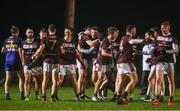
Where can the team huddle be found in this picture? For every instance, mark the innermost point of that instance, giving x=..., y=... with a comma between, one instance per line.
x=110, y=60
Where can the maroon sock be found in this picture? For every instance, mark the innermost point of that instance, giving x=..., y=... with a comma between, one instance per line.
x=125, y=94
x=147, y=97
x=171, y=98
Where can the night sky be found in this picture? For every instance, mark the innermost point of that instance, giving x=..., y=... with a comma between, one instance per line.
x=103, y=13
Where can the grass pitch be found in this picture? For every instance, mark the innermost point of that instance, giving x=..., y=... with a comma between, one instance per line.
x=67, y=102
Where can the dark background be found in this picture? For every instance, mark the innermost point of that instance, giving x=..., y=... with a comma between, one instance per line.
x=37, y=14
x=143, y=13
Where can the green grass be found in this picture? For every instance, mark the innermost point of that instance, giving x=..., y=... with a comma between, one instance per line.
x=67, y=102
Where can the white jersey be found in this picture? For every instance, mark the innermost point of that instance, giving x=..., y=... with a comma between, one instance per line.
x=146, y=55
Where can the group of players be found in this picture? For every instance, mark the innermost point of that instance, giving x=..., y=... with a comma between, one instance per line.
x=110, y=59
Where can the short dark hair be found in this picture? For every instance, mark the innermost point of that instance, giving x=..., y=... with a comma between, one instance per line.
x=52, y=28
x=111, y=29
x=14, y=29
x=69, y=28
x=155, y=29
x=87, y=27
x=29, y=28
x=129, y=28
x=44, y=30
x=150, y=32
x=95, y=28
x=165, y=23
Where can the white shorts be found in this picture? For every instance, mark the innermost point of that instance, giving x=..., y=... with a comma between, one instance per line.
x=153, y=70
x=33, y=71
x=50, y=67
x=103, y=68
x=165, y=67
x=94, y=65
x=79, y=64
x=125, y=68
x=67, y=69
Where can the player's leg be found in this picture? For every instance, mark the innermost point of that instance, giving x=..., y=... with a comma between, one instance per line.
x=131, y=93
x=46, y=73
x=27, y=75
x=108, y=83
x=37, y=77
x=94, y=71
x=100, y=80
x=72, y=74
x=82, y=80
x=158, y=82
x=7, y=84
x=102, y=87
x=119, y=86
x=60, y=80
x=129, y=86
x=171, y=83
x=55, y=71
x=151, y=82
x=130, y=70
x=37, y=86
x=120, y=79
x=21, y=84
x=162, y=93
x=116, y=85
x=94, y=76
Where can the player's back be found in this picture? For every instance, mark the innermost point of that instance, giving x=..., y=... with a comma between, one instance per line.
x=126, y=50
x=52, y=48
x=11, y=46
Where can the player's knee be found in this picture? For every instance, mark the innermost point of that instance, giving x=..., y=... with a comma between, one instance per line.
x=101, y=78
x=7, y=81
x=28, y=81
x=171, y=82
x=132, y=81
x=136, y=81
x=158, y=81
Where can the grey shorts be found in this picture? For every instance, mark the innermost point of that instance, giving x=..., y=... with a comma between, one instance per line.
x=166, y=67
x=50, y=67
x=33, y=71
x=103, y=68
x=125, y=68
x=67, y=69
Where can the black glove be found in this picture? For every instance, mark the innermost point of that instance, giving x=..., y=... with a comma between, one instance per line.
x=162, y=52
x=115, y=56
x=148, y=60
x=30, y=66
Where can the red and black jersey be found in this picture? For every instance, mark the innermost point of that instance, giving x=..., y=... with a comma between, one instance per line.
x=126, y=50
x=29, y=49
x=163, y=43
x=107, y=46
x=115, y=44
x=84, y=45
x=69, y=56
x=52, y=49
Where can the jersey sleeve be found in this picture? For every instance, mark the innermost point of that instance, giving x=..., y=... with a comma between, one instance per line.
x=87, y=38
x=175, y=41
x=19, y=42
x=104, y=45
x=4, y=44
x=21, y=45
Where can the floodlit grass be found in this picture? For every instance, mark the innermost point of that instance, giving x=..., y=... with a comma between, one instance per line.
x=68, y=103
